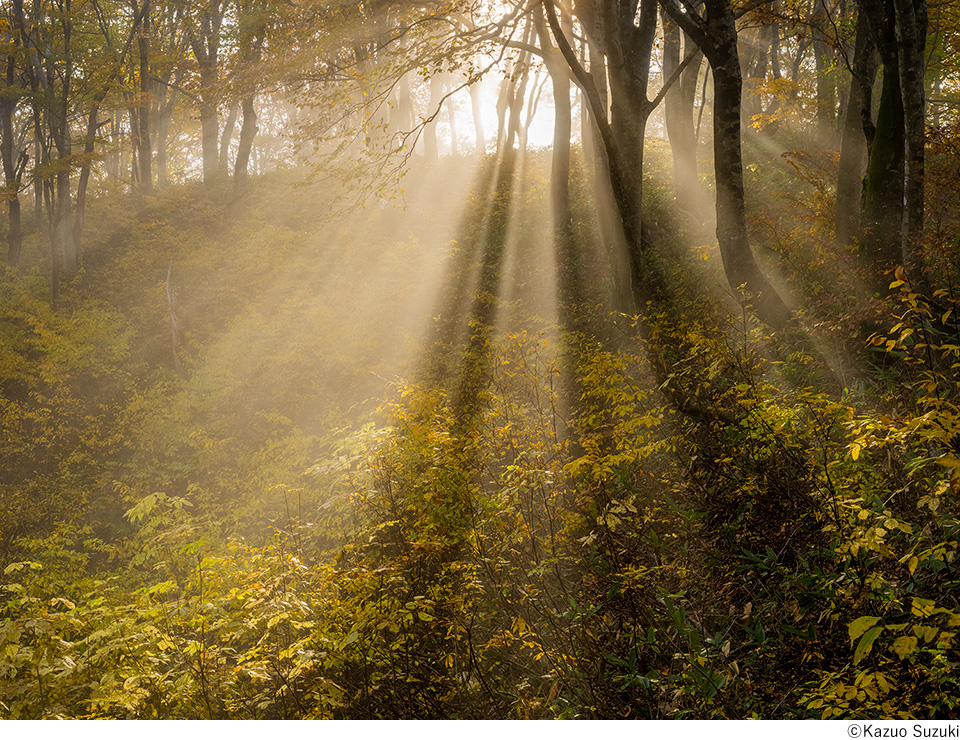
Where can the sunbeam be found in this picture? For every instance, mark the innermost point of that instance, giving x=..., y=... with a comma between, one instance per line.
x=480, y=360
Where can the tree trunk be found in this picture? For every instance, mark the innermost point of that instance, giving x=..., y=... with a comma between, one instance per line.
x=739, y=264
x=562, y=126
x=853, y=144
x=608, y=219
x=41, y=155
x=476, y=103
x=248, y=131
x=560, y=164
x=61, y=137
x=452, y=120
x=57, y=100
x=678, y=116
x=717, y=37
x=883, y=184
x=112, y=160
x=911, y=26
x=89, y=143
x=517, y=93
x=165, y=108
x=206, y=50
x=210, y=141
x=144, y=147
x=826, y=86
x=402, y=118
x=11, y=165
x=209, y=120
x=431, y=148
x=226, y=137
x=134, y=118
x=627, y=48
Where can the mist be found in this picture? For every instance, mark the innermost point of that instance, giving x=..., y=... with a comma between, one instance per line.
x=478, y=360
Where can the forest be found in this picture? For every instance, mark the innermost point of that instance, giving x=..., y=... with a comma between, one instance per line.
x=480, y=359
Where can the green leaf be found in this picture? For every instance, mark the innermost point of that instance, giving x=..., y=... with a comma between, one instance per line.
x=866, y=643
x=860, y=625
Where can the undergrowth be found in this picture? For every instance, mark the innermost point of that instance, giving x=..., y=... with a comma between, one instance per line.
x=526, y=528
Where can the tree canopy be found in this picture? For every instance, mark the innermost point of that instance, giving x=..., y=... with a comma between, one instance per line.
x=472, y=359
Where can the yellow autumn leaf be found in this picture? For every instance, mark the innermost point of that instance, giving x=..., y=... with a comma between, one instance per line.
x=904, y=645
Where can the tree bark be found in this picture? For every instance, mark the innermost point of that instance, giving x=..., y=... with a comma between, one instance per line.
x=210, y=139
x=678, y=116
x=716, y=35
x=165, y=107
x=89, y=144
x=853, y=143
x=608, y=219
x=144, y=146
x=60, y=132
x=517, y=92
x=248, y=131
x=476, y=103
x=55, y=100
x=883, y=184
x=452, y=121
x=562, y=126
x=628, y=49
x=738, y=261
x=12, y=164
x=826, y=86
x=911, y=29
x=431, y=147
x=226, y=136
x=205, y=45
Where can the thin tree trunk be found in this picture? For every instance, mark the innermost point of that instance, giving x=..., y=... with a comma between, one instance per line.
x=144, y=147
x=134, y=118
x=206, y=50
x=826, y=86
x=248, y=132
x=431, y=149
x=911, y=25
x=209, y=120
x=476, y=103
x=163, y=132
x=515, y=92
x=853, y=145
x=227, y=136
x=210, y=141
x=739, y=263
x=61, y=138
x=452, y=120
x=678, y=116
x=562, y=125
x=11, y=165
x=41, y=155
x=89, y=143
x=402, y=117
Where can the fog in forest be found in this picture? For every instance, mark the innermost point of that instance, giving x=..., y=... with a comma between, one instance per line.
x=479, y=360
